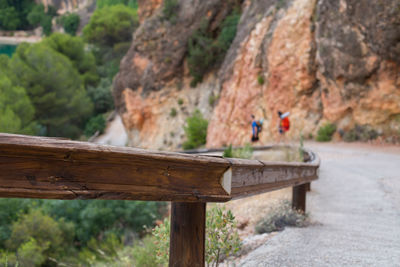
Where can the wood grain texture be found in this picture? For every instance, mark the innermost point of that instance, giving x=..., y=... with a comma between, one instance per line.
x=299, y=193
x=51, y=168
x=39, y=167
x=188, y=228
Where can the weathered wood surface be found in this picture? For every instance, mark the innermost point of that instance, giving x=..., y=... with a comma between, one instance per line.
x=299, y=193
x=188, y=229
x=38, y=167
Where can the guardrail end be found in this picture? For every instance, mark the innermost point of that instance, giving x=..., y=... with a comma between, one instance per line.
x=226, y=181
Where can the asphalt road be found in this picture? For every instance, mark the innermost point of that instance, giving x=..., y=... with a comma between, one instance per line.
x=355, y=213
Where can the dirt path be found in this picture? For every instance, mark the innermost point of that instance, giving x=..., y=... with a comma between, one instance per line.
x=355, y=209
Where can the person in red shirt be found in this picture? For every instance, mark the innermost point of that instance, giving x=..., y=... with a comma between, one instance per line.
x=284, y=123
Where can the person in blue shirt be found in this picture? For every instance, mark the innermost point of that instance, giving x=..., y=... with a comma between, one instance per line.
x=256, y=128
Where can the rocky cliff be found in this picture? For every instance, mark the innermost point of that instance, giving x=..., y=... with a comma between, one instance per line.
x=322, y=60
x=63, y=6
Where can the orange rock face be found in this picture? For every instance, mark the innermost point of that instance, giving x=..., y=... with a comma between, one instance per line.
x=286, y=74
x=147, y=8
x=336, y=61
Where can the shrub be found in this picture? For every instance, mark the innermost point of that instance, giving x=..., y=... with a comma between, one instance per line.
x=173, y=112
x=228, y=31
x=201, y=53
x=325, y=132
x=360, y=133
x=180, y=101
x=204, y=51
x=170, y=10
x=222, y=238
x=95, y=124
x=196, y=130
x=144, y=252
x=228, y=152
x=70, y=23
x=260, y=79
x=101, y=96
x=279, y=217
x=243, y=153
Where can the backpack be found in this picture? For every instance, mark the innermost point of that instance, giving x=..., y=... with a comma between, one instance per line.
x=285, y=123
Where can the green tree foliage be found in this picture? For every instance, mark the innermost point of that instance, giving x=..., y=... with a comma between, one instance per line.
x=46, y=25
x=70, y=22
x=30, y=253
x=9, y=19
x=205, y=50
x=95, y=124
x=54, y=87
x=16, y=109
x=201, y=53
x=38, y=16
x=74, y=49
x=228, y=30
x=110, y=25
x=14, y=13
x=36, y=232
x=105, y=3
x=101, y=96
x=10, y=208
x=195, y=130
x=93, y=217
x=325, y=132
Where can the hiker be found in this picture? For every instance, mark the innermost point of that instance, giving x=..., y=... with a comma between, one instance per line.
x=256, y=127
x=284, y=123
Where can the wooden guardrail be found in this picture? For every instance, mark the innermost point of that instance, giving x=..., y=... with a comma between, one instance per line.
x=51, y=168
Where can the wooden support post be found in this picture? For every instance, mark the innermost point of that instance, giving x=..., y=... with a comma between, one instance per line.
x=187, y=240
x=308, y=187
x=299, y=197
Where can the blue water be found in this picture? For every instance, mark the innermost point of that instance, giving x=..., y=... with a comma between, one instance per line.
x=7, y=49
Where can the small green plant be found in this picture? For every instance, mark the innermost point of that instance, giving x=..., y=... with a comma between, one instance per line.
x=325, y=132
x=180, y=101
x=281, y=216
x=301, y=148
x=228, y=152
x=170, y=10
x=243, y=153
x=260, y=79
x=212, y=99
x=222, y=238
x=173, y=112
x=195, y=130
